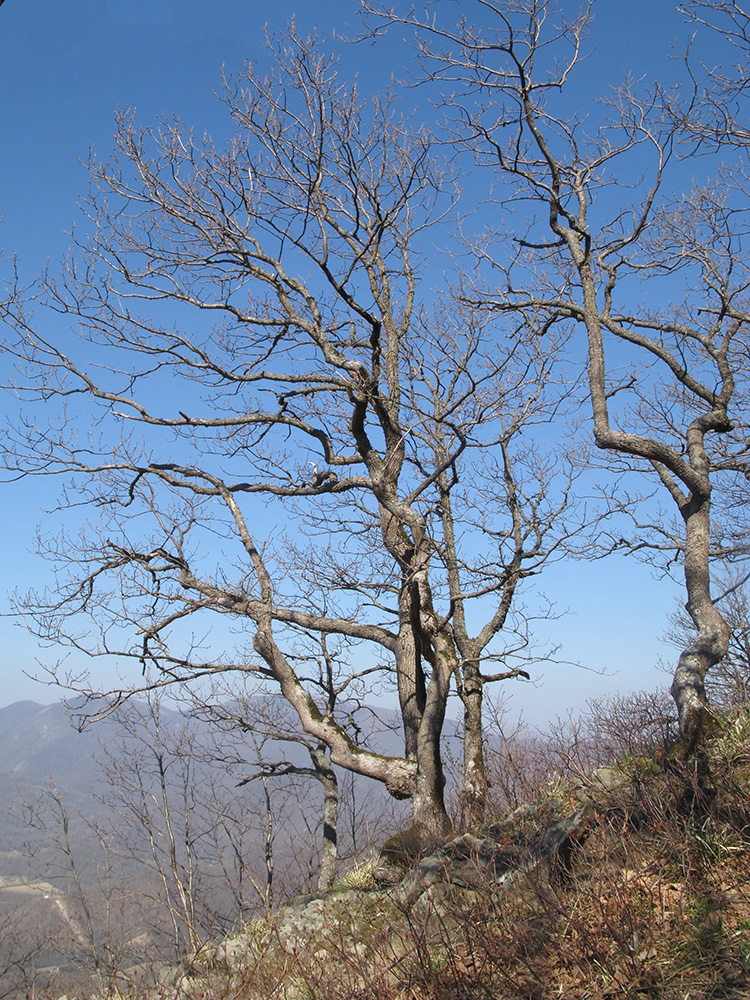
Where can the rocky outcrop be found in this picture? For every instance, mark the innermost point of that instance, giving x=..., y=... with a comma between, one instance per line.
x=403, y=891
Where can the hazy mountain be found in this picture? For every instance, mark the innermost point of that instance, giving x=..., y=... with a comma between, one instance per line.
x=39, y=744
x=37, y=741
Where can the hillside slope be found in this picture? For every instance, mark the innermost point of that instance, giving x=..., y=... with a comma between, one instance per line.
x=629, y=881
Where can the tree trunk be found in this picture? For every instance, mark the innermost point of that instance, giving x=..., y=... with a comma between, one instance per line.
x=475, y=774
x=268, y=851
x=712, y=642
x=409, y=672
x=329, y=850
x=428, y=800
x=428, y=806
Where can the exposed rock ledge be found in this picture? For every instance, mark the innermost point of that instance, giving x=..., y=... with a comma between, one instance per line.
x=348, y=919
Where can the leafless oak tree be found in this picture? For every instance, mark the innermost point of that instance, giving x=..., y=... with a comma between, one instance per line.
x=254, y=343
x=603, y=205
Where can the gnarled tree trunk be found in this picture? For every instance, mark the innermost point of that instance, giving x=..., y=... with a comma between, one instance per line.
x=712, y=641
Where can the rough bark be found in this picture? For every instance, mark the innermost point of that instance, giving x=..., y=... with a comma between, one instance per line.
x=329, y=849
x=713, y=632
x=429, y=801
x=474, y=773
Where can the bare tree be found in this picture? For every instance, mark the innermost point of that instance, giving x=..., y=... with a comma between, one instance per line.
x=242, y=833
x=176, y=858
x=254, y=344
x=598, y=213
x=257, y=739
x=92, y=930
x=721, y=89
x=22, y=941
x=159, y=817
x=205, y=851
x=267, y=724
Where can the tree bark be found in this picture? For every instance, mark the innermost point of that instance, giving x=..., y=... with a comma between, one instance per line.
x=429, y=795
x=329, y=849
x=474, y=802
x=712, y=641
x=397, y=774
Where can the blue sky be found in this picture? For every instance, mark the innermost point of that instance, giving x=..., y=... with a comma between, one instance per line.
x=65, y=68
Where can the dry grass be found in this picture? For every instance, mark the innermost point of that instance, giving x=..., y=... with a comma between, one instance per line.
x=656, y=904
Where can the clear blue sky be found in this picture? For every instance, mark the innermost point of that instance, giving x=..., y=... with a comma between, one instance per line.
x=65, y=67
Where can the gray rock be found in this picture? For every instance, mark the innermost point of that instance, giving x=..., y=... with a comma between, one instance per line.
x=377, y=923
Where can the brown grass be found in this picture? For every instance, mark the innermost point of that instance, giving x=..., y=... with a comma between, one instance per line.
x=655, y=904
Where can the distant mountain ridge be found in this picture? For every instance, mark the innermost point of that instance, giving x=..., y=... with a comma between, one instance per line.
x=38, y=743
